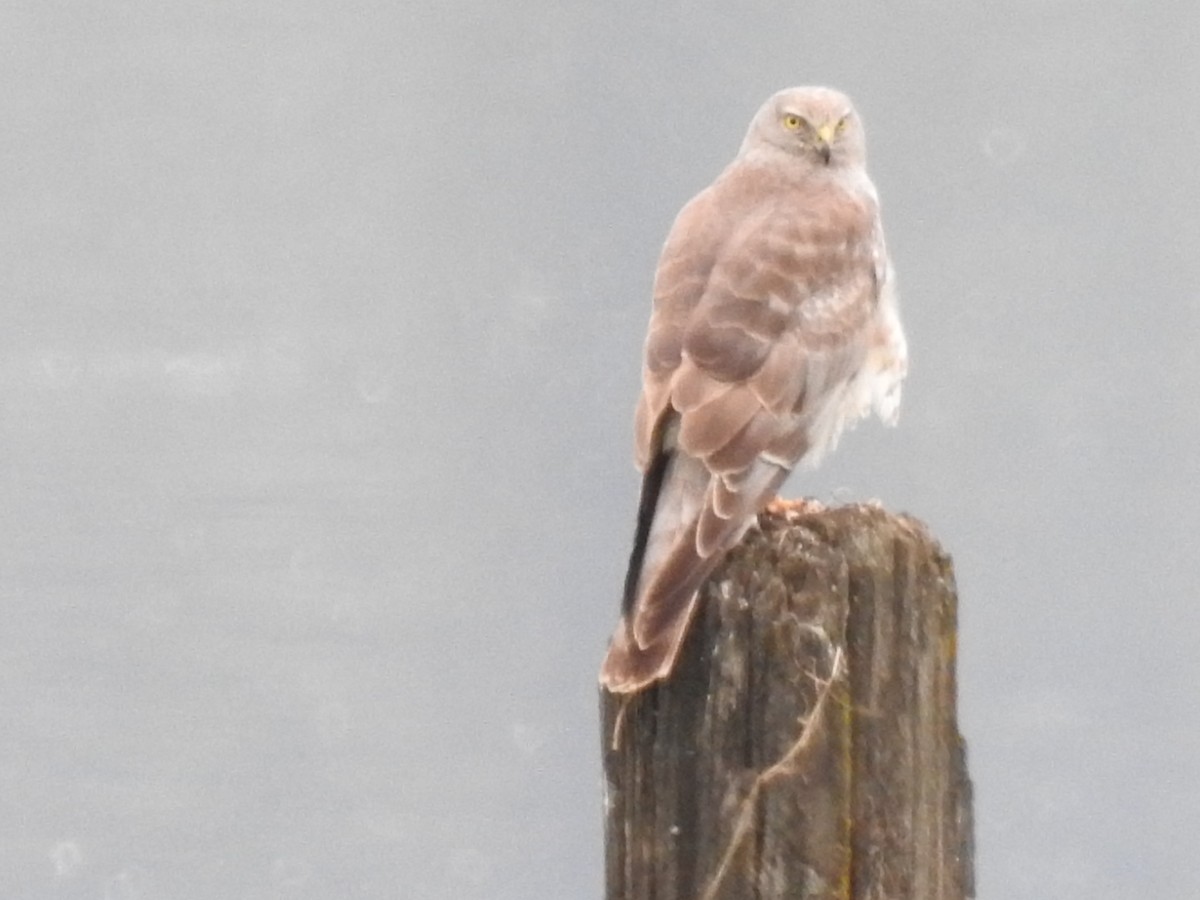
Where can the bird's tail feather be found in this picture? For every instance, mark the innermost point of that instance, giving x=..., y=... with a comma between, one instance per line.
x=664, y=573
x=662, y=593
x=629, y=667
x=648, y=638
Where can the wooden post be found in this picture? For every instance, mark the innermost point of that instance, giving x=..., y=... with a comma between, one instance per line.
x=806, y=746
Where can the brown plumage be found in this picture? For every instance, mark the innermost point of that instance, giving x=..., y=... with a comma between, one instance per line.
x=774, y=326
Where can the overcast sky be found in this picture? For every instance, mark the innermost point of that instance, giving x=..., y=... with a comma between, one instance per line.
x=320, y=332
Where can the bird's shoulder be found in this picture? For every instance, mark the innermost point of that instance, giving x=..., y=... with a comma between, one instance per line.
x=757, y=253
x=774, y=209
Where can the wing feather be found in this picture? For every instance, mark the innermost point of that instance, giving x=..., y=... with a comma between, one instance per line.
x=708, y=428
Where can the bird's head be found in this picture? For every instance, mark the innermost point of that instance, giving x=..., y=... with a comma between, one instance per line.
x=816, y=124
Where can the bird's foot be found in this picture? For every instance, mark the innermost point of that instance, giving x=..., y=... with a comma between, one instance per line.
x=790, y=510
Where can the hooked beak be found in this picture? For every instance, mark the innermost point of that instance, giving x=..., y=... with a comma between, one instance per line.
x=825, y=139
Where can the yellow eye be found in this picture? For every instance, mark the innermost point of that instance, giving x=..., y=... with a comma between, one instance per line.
x=841, y=125
x=791, y=122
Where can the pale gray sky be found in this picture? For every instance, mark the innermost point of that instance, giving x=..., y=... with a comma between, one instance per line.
x=319, y=339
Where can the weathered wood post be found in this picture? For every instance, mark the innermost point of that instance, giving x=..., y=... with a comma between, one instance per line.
x=807, y=744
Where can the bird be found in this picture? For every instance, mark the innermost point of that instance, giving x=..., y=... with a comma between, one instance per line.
x=774, y=326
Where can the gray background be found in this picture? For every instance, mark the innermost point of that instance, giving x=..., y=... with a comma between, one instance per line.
x=319, y=338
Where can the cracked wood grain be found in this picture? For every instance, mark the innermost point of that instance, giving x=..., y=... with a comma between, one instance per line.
x=807, y=745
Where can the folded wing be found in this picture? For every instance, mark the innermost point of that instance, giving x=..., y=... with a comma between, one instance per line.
x=763, y=322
